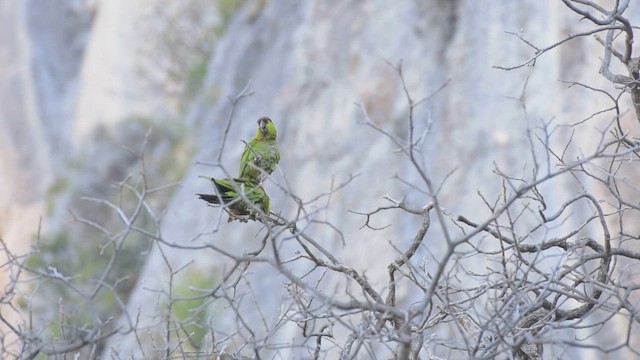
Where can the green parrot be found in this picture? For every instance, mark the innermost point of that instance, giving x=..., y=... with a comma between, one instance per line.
x=228, y=191
x=261, y=155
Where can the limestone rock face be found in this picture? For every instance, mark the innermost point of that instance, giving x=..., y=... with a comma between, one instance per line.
x=40, y=57
x=319, y=69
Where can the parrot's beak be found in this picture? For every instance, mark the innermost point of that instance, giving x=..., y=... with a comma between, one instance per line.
x=263, y=127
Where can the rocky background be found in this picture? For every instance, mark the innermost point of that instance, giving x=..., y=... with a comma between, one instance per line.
x=85, y=83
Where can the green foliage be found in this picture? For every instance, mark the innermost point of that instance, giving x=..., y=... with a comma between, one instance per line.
x=58, y=187
x=191, y=308
x=227, y=8
x=75, y=257
x=184, y=44
x=195, y=73
x=22, y=303
x=195, y=77
x=73, y=264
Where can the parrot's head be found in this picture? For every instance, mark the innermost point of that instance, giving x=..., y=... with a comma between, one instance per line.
x=266, y=128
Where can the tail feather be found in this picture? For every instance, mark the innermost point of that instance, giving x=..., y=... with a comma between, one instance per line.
x=240, y=196
x=210, y=198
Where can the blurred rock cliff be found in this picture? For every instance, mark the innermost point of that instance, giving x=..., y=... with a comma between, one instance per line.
x=83, y=81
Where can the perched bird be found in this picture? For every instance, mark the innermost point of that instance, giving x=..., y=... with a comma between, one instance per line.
x=233, y=194
x=261, y=154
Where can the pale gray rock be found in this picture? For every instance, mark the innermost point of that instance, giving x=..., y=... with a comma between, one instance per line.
x=70, y=67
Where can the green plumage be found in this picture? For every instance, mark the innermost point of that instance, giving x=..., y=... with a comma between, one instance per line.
x=261, y=155
x=234, y=193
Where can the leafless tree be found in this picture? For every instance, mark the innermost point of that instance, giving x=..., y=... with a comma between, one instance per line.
x=553, y=277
